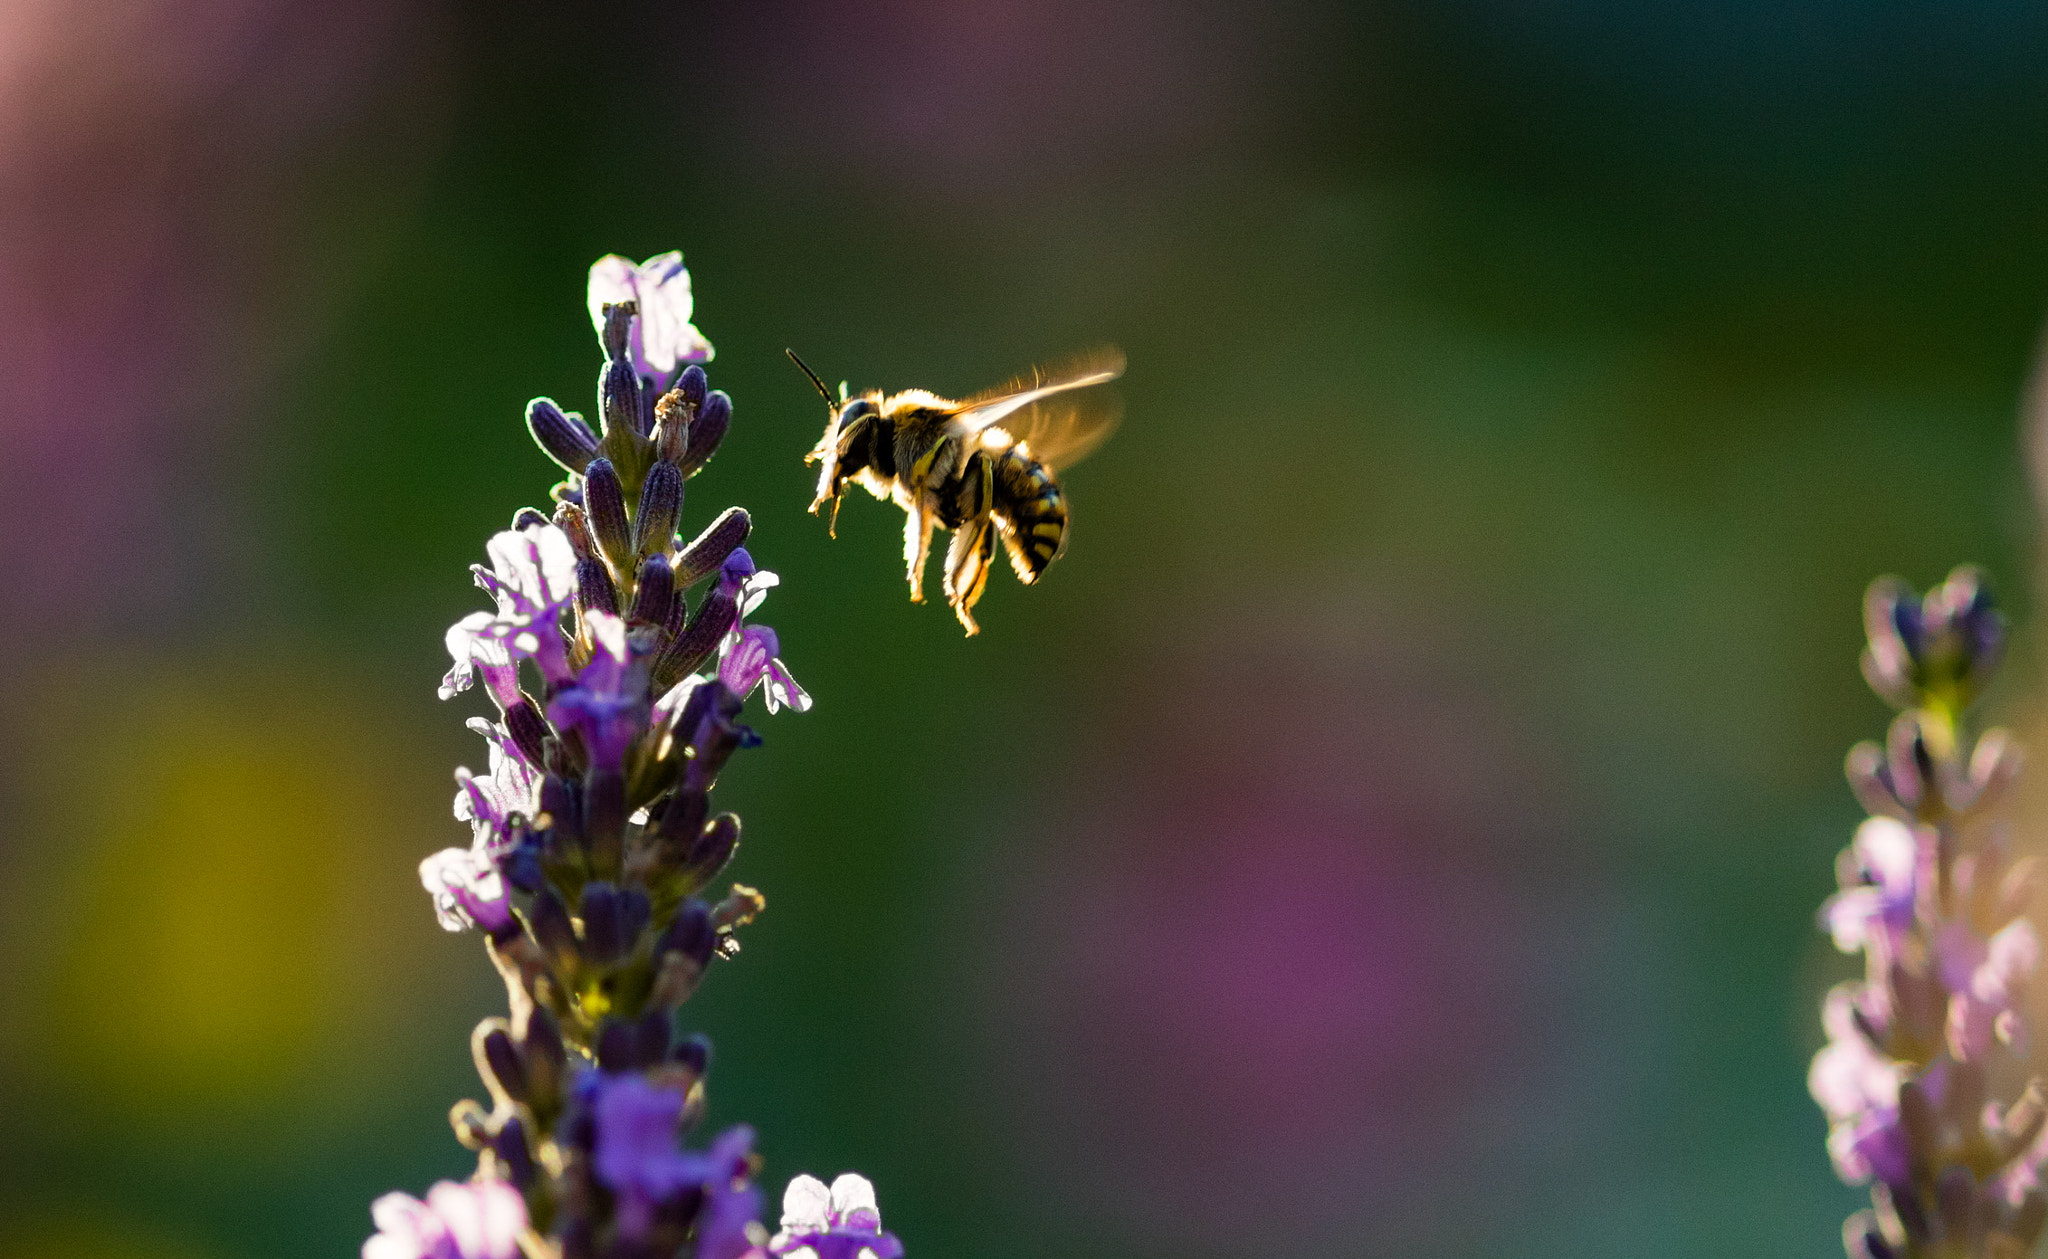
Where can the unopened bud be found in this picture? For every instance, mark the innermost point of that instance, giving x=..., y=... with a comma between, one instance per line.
x=661, y=505
x=617, y=333
x=618, y=393
x=707, y=430
x=703, y=556
x=713, y=849
x=497, y=1060
x=604, y=501
x=694, y=1053
x=561, y=436
x=713, y=620
x=654, y=592
x=595, y=591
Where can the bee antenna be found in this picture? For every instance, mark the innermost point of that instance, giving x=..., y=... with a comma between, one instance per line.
x=804, y=367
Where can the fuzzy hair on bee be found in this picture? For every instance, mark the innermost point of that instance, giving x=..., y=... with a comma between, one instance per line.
x=982, y=468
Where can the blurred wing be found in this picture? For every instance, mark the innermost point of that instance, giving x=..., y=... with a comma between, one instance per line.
x=1096, y=367
x=1061, y=432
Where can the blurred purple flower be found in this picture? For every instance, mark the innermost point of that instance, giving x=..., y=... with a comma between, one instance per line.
x=478, y=1220
x=637, y=1157
x=842, y=1222
x=1849, y=1077
x=1877, y=905
x=608, y=703
x=533, y=577
x=729, y=1223
x=1985, y=978
x=663, y=338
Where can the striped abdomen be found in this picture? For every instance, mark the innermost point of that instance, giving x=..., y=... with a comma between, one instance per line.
x=1031, y=511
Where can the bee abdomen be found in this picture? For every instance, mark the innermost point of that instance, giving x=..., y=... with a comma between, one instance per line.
x=1033, y=512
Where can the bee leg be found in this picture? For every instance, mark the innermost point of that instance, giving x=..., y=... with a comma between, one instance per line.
x=967, y=566
x=917, y=548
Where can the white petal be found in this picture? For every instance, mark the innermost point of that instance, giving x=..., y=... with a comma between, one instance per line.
x=805, y=1206
x=852, y=1192
x=611, y=282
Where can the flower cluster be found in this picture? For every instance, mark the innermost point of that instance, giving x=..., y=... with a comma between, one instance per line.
x=619, y=692
x=1919, y=1050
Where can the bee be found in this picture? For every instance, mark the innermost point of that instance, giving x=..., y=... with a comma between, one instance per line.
x=982, y=467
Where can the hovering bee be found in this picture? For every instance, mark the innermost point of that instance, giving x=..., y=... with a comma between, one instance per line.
x=982, y=467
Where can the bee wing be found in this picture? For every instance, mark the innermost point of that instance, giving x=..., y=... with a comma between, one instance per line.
x=1060, y=432
x=985, y=410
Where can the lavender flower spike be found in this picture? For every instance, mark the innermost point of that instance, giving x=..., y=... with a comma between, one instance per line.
x=595, y=842
x=837, y=1223
x=533, y=578
x=663, y=337
x=480, y=1220
x=1932, y=898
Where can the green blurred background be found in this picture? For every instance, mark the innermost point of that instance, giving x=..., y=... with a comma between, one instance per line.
x=1394, y=829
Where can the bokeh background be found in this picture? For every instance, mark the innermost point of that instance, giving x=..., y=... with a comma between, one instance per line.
x=1394, y=829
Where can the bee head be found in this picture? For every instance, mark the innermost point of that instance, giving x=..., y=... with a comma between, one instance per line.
x=845, y=447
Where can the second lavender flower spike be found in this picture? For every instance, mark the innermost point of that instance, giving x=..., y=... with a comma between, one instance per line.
x=1933, y=898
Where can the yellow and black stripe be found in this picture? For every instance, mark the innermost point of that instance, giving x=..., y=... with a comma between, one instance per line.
x=1033, y=511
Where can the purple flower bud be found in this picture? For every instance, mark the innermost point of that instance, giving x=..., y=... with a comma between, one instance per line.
x=682, y=820
x=653, y=592
x=618, y=392
x=497, y=1060
x=604, y=819
x=561, y=436
x=691, y=933
x=553, y=929
x=694, y=1052
x=713, y=849
x=661, y=505
x=615, y=327
x=515, y=1159
x=653, y=1030
x=697, y=643
x=618, y=1048
x=707, y=431
x=604, y=505
x=695, y=387
x=594, y=589
x=528, y=518
x=709, y=551
x=562, y=802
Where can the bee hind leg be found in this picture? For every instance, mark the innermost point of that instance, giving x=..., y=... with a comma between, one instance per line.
x=967, y=567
